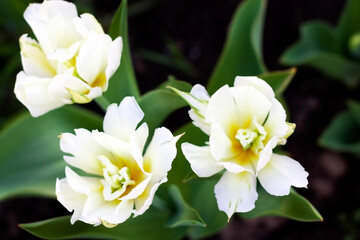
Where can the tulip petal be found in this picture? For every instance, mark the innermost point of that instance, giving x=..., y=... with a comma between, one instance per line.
x=34, y=94
x=85, y=151
x=236, y=192
x=220, y=144
x=91, y=61
x=33, y=58
x=71, y=200
x=160, y=154
x=280, y=174
x=143, y=202
x=121, y=121
x=275, y=124
x=257, y=83
x=87, y=24
x=201, y=160
x=113, y=60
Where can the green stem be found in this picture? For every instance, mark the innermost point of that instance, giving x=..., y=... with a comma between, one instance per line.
x=103, y=102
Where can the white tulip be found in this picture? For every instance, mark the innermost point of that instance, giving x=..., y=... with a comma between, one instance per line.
x=244, y=123
x=71, y=61
x=125, y=180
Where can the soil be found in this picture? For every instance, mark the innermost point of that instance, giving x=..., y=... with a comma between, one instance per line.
x=198, y=28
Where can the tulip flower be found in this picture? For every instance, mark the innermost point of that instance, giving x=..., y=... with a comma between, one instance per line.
x=71, y=61
x=121, y=180
x=244, y=123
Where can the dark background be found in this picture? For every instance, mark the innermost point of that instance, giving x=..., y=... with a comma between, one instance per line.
x=198, y=30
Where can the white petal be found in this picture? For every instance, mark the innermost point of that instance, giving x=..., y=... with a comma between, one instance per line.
x=257, y=83
x=280, y=174
x=138, y=190
x=121, y=121
x=87, y=23
x=140, y=136
x=276, y=124
x=236, y=192
x=83, y=185
x=266, y=154
x=113, y=212
x=113, y=60
x=34, y=94
x=231, y=166
x=92, y=59
x=198, y=99
x=201, y=160
x=61, y=84
x=33, y=58
x=143, y=202
x=250, y=104
x=220, y=145
x=160, y=153
x=222, y=109
x=85, y=151
x=71, y=200
x=51, y=23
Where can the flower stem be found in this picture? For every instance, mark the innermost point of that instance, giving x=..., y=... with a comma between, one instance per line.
x=103, y=102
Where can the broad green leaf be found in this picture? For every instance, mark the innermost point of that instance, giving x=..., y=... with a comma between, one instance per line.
x=348, y=24
x=30, y=155
x=184, y=214
x=317, y=48
x=149, y=226
x=343, y=134
x=279, y=80
x=123, y=82
x=158, y=104
x=241, y=54
x=202, y=198
x=199, y=193
x=292, y=206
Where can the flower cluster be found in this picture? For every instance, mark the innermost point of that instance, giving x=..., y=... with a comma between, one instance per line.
x=244, y=123
x=124, y=181
x=71, y=61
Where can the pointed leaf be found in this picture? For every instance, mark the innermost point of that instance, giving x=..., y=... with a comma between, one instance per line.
x=343, y=134
x=184, y=215
x=30, y=155
x=317, y=48
x=149, y=226
x=279, y=80
x=241, y=54
x=292, y=206
x=123, y=82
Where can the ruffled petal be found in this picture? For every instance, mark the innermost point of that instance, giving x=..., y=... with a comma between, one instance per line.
x=236, y=192
x=201, y=160
x=113, y=60
x=33, y=58
x=160, y=154
x=257, y=83
x=85, y=151
x=33, y=92
x=92, y=60
x=121, y=121
x=280, y=174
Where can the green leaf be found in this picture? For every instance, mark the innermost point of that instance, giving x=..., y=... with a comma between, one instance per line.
x=292, y=206
x=241, y=54
x=343, y=134
x=184, y=215
x=30, y=155
x=354, y=108
x=348, y=24
x=158, y=104
x=317, y=48
x=202, y=198
x=123, y=82
x=279, y=80
x=149, y=226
